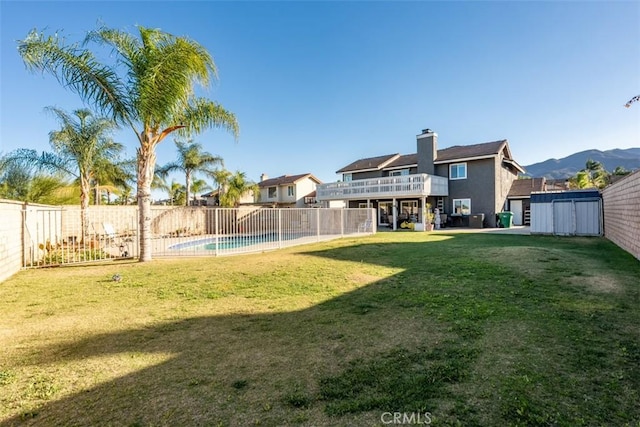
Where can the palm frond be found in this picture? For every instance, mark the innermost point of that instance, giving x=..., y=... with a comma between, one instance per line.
x=78, y=70
x=203, y=113
x=31, y=160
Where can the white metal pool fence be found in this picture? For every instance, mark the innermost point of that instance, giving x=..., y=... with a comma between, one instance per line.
x=63, y=235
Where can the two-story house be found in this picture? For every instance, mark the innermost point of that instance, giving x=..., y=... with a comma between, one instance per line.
x=459, y=181
x=292, y=191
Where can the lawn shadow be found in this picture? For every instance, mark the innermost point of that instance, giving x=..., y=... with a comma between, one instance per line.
x=386, y=346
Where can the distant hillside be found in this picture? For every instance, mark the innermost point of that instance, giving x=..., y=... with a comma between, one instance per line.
x=570, y=165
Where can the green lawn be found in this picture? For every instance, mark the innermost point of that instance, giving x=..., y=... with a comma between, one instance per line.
x=473, y=329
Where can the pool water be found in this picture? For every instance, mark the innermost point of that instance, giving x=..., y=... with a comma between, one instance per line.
x=229, y=242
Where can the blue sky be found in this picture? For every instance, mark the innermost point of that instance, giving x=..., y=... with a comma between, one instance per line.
x=317, y=85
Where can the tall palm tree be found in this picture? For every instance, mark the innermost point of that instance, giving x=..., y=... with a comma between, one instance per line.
x=149, y=88
x=191, y=160
x=80, y=147
x=237, y=187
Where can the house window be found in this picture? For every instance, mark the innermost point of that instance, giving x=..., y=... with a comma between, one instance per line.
x=364, y=205
x=273, y=191
x=458, y=171
x=399, y=172
x=290, y=191
x=462, y=206
x=347, y=177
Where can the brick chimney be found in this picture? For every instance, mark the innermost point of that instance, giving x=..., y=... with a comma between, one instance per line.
x=427, y=143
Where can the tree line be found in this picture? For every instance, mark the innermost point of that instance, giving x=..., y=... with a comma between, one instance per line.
x=594, y=175
x=86, y=166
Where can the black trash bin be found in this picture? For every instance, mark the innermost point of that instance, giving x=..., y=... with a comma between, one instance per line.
x=476, y=220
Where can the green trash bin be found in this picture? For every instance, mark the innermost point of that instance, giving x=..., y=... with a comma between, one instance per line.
x=506, y=219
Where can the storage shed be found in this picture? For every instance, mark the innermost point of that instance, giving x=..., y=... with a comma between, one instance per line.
x=567, y=213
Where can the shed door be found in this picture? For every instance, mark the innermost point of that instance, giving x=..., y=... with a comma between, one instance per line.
x=577, y=217
x=587, y=217
x=563, y=217
x=516, y=208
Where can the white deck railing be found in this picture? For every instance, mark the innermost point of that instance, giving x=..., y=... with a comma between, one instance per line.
x=385, y=187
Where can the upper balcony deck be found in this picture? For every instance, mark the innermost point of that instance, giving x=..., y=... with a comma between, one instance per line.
x=418, y=185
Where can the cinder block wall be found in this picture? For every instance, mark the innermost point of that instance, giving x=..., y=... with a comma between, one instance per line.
x=621, y=203
x=10, y=238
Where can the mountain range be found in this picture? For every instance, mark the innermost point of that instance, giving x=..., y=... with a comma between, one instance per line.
x=568, y=166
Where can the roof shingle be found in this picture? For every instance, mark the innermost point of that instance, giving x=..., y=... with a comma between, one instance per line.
x=466, y=151
x=524, y=187
x=286, y=179
x=444, y=155
x=405, y=160
x=369, y=163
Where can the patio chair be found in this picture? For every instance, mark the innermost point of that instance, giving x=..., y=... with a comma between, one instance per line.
x=109, y=231
x=365, y=227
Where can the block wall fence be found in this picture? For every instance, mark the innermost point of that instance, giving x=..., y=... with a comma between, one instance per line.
x=10, y=238
x=621, y=205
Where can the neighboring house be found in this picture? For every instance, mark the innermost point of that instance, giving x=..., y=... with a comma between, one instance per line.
x=213, y=198
x=289, y=191
x=459, y=181
x=519, y=198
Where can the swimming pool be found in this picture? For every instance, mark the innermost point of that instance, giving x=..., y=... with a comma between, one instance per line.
x=230, y=242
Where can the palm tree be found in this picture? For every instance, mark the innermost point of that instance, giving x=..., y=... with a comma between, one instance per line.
x=221, y=179
x=620, y=171
x=237, y=186
x=176, y=193
x=17, y=183
x=198, y=186
x=191, y=160
x=80, y=147
x=594, y=175
x=111, y=177
x=52, y=190
x=598, y=175
x=149, y=88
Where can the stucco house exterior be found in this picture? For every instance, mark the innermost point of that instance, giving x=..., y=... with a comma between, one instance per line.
x=460, y=181
x=289, y=191
x=212, y=198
